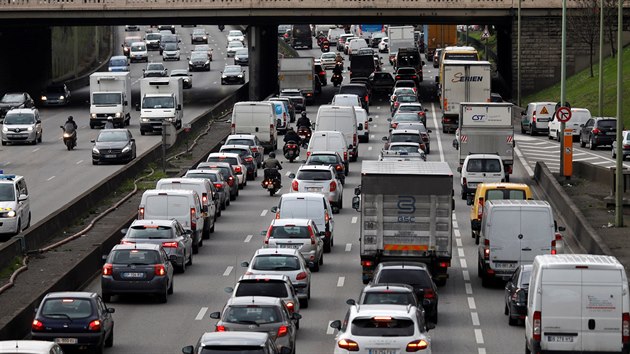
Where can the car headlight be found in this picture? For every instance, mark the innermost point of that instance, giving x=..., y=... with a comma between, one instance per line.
x=186, y=80
x=204, y=37
x=222, y=76
x=5, y=129
x=118, y=115
x=93, y=115
x=61, y=97
x=95, y=150
x=144, y=119
x=44, y=98
x=170, y=119
x=240, y=75
x=190, y=63
x=11, y=213
x=207, y=62
x=126, y=148
x=30, y=129
x=110, y=69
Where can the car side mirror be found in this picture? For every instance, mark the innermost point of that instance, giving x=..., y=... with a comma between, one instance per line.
x=384, y=138
x=179, y=107
x=291, y=175
x=426, y=302
x=370, y=119
x=263, y=233
x=104, y=259
x=469, y=201
x=296, y=316
x=172, y=258
x=137, y=108
x=455, y=144
x=581, y=125
x=429, y=131
x=229, y=289
x=274, y=209
x=350, y=146
x=311, y=265
x=285, y=350
x=430, y=325
x=22, y=197
x=351, y=302
x=561, y=228
x=356, y=203
x=111, y=310
x=389, y=119
x=459, y=169
x=215, y=315
x=188, y=232
x=189, y=349
x=244, y=264
x=336, y=324
x=523, y=113
x=38, y=121
x=322, y=233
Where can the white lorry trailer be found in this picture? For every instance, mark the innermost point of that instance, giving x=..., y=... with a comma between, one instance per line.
x=463, y=81
x=110, y=96
x=162, y=100
x=399, y=37
x=406, y=214
x=298, y=74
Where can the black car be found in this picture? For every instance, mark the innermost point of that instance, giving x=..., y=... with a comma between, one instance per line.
x=296, y=97
x=166, y=28
x=113, y=145
x=198, y=61
x=416, y=275
x=232, y=74
x=155, y=70
x=360, y=90
x=199, y=35
x=241, y=57
x=246, y=155
x=56, y=95
x=408, y=73
x=376, y=39
x=228, y=175
x=516, y=294
x=598, y=131
x=321, y=72
x=186, y=77
x=381, y=82
x=15, y=100
x=388, y=294
x=74, y=320
x=332, y=158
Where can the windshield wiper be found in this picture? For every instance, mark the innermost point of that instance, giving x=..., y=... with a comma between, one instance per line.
x=248, y=322
x=59, y=315
x=284, y=268
x=137, y=263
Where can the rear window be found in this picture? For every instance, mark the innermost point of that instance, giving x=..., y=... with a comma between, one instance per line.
x=382, y=327
x=407, y=98
x=232, y=349
x=353, y=90
x=276, y=262
x=607, y=123
x=409, y=71
x=239, y=142
x=290, y=231
x=406, y=118
x=461, y=56
x=410, y=108
x=414, y=277
x=407, y=138
x=135, y=256
x=261, y=288
x=64, y=308
x=210, y=176
x=300, y=208
x=407, y=148
x=383, y=77
x=314, y=175
x=405, y=84
x=230, y=160
x=252, y=314
x=483, y=165
x=389, y=298
x=235, y=151
x=149, y=232
x=499, y=194
x=322, y=159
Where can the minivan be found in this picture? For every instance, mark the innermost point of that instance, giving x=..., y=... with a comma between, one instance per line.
x=363, y=129
x=329, y=141
x=480, y=168
x=256, y=118
x=181, y=205
x=577, y=303
x=314, y=206
x=204, y=190
x=512, y=233
x=536, y=117
x=282, y=116
x=341, y=119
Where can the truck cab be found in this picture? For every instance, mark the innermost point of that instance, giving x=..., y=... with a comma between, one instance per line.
x=161, y=101
x=110, y=96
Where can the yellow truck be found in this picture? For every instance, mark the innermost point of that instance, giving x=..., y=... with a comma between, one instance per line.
x=440, y=36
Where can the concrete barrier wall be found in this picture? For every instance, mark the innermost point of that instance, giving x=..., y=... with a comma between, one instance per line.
x=575, y=221
x=8, y=251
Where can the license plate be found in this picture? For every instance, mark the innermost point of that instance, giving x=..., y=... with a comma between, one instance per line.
x=501, y=265
x=560, y=339
x=285, y=245
x=66, y=340
x=110, y=156
x=133, y=275
x=270, y=186
x=382, y=351
x=313, y=189
x=611, y=133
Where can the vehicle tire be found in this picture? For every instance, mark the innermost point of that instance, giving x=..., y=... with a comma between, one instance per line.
x=142, y=132
x=428, y=149
x=485, y=281
x=163, y=298
x=182, y=268
x=190, y=260
x=549, y=135
x=316, y=267
x=477, y=239
x=327, y=246
x=109, y=342
x=614, y=156
x=212, y=228
x=39, y=140
x=4, y=143
x=505, y=310
x=531, y=131
x=591, y=144
x=463, y=194
x=107, y=298
x=557, y=136
x=98, y=349
x=434, y=318
x=440, y=282
x=223, y=206
x=582, y=143
x=512, y=321
x=507, y=178
x=303, y=303
x=522, y=129
x=443, y=130
x=171, y=288
x=340, y=204
x=479, y=270
x=195, y=248
x=206, y=231
x=527, y=351
x=272, y=192
x=321, y=259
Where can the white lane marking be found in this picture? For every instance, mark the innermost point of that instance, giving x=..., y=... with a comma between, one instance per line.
x=458, y=241
x=78, y=162
x=439, y=138
x=478, y=336
x=36, y=149
x=340, y=281
x=454, y=216
x=348, y=247
x=457, y=233
x=330, y=330
x=468, y=288
x=466, y=275
x=585, y=158
x=378, y=107
x=471, y=303
x=50, y=178
x=354, y=219
x=475, y=318
x=455, y=224
x=482, y=351
x=228, y=270
x=7, y=163
x=214, y=83
x=372, y=135
x=248, y=238
x=369, y=148
x=544, y=154
x=600, y=162
x=528, y=169
x=202, y=312
x=463, y=263
x=264, y=212
x=460, y=252
x=288, y=173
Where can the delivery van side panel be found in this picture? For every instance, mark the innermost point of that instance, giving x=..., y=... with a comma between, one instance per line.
x=560, y=292
x=601, y=309
x=537, y=228
x=502, y=230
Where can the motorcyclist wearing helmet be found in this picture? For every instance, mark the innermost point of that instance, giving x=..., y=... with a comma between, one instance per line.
x=304, y=121
x=70, y=123
x=271, y=166
x=338, y=69
x=291, y=135
x=109, y=123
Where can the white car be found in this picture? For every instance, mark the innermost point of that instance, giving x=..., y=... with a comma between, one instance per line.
x=138, y=52
x=30, y=346
x=328, y=60
x=383, y=45
x=319, y=179
x=239, y=168
x=233, y=46
x=14, y=204
x=171, y=52
x=236, y=35
x=383, y=329
x=299, y=234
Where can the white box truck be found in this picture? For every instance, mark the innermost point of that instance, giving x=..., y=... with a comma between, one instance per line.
x=399, y=37
x=110, y=96
x=298, y=74
x=406, y=214
x=463, y=81
x=486, y=128
x=161, y=100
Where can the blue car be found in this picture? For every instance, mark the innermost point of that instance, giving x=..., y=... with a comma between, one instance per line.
x=119, y=63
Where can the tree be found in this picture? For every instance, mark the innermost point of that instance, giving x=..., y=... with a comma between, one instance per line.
x=583, y=23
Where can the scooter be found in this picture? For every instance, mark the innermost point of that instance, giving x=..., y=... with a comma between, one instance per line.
x=305, y=134
x=271, y=182
x=325, y=47
x=221, y=28
x=69, y=138
x=336, y=79
x=291, y=150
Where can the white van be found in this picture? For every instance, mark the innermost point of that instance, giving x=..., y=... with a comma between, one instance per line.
x=480, y=168
x=282, y=116
x=355, y=45
x=341, y=119
x=256, y=118
x=15, y=204
x=329, y=141
x=578, y=116
x=536, y=117
x=512, y=233
x=577, y=303
x=314, y=206
x=204, y=191
x=363, y=129
x=181, y=205
x=333, y=35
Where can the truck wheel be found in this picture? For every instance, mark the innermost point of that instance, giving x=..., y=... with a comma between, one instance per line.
x=463, y=193
x=439, y=282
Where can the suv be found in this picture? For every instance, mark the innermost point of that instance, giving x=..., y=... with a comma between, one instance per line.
x=319, y=179
x=22, y=125
x=15, y=209
x=300, y=234
x=321, y=72
x=268, y=285
x=598, y=131
x=480, y=168
x=222, y=342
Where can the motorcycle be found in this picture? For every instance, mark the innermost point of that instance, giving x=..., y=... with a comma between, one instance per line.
x=305, y=134
x=271, y=182
x=336, y=79
x=69, y=138
x=291, y=150
x=221, y=28
x=325, y=48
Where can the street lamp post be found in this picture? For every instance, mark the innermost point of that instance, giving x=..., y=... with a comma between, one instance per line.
x=563, y=76
x=518, y=55
x=619, y=152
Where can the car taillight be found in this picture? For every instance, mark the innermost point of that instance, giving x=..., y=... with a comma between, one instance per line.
x=237, y=169
x=345, y=155
x=37, y=325
x=219, y=329
x=170, y=244
x=537, y=325
x=365, y=125
x=326, y=217
x=249, y=159
x=95, y=325
x=479, y=208
x=486, y=249
x=625, y=327
x=233, y=127
x=464, y=182
x=254, y=149
x=301, y=276
x=595, y=131
x=291, y=306
x=140, y=213
x=158, y=269
x=218, y=185
x=626, y=146
x=349, y=345
x=322, y=72
x=367, y=263
x=444, y=264
x=295, y=185
x=417, y=345
x=268, y=235
x=193, y=219
x=429, y=294
x=108, y=269
x=339, y=167
x=282, y=331
x=355, y=140
x=396, y=104
x=230, y=181
x=554, y=243
x=126, y=242
x=534, y=118
x=394, y=125
x=333, y=186
x=204, y=198
x=308, y=153
x=421, y=114
x=367, y=98
x=397, y=77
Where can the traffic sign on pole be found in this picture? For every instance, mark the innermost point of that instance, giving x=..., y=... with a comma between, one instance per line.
x=563, y=114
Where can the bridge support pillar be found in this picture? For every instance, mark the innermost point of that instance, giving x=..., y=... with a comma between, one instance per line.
x=263, y=61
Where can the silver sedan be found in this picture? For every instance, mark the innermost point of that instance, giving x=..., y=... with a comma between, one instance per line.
x=319, y=179
x=299, y=234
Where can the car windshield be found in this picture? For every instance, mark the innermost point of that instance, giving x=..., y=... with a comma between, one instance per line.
x=153, y=36
x=389, y=298
x=407, y=138
x=138, y=48
x=405, y=91
x=19, y=118
x=290, y=231
x=158, y=102
x=199, y=32
x=118, y=62
x=210, y=176
x=232, y=69
x=134, y=256
x=383, y=77
x=241, y=52
x=170, y=46
x=499, y=194
x=106, y=98
x=407, y=148
x=150, y=232
x=261, y=287
x=483, y=165
x=413, y=277
x=404, y=83
x=322, y=160
x=155, y=67
x=382, y=326
x=407, y=98
x=408, y=59
x=169, y=38
x=314, y=175
x=230, y=160
x=252, y=314
x=235, y=151
x=235, y=45
x=110, y=136
x=12, y=98
x=410, y=108
x=407, y=117
x=232, y=349
x=235, y=33
x=202, y=47
x=7, y=192
x=67, y=308
x=55, y=89
x=276, y=262
x=329, y=56
x=199, y=56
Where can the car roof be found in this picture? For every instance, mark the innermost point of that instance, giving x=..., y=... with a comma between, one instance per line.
x=25, y=346
x=22, y=110
x=139, y=246
x=265, y=277
x=158, y=222
x=483, y=156
x=402, y=265
x=234, y=338
x=70, y=294
x=301, y=195
x=403, y=104
x=226, y=154
x=392, y=287
x=324, y=152
x=241, y=136
x=254, y=300
x=205, y=170
x=284, y=222
x=405, y=131
x=235, y=146
x=281, y=251
x=315, y=167
x=405, y=311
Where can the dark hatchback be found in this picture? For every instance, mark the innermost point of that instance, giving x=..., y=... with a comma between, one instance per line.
x=416, y=275
x=408, y=73
x=331, y=158
x=516, y=294
x=382, y=82
x=232, y=74
x=360, y=90
x=74, y=320
x=227, y=172
x=113, y=145
x=598, y=131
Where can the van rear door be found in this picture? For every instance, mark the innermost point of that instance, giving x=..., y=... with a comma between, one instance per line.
x=168, y=207
x=537, y=232
x=561, y=309
x=601, y=310
x=503, y=238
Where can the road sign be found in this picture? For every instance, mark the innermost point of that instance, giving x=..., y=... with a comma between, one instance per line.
x=559, y=104
x=563, y=114
x=485, y=35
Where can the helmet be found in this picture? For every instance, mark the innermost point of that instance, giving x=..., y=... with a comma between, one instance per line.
x=290, y=128
x=303, y=114
x=70, y=118
x=272, y=154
